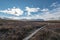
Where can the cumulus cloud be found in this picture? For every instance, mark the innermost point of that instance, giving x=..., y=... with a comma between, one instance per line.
x=29, y=10
x=47, y=14
x=13, y=11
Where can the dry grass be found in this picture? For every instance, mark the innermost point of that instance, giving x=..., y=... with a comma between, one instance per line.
x=51, y=32
x=17, y=30
x=45, y=35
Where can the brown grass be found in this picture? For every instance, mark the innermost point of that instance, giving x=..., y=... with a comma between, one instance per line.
x=51, y=32
x=17, y=30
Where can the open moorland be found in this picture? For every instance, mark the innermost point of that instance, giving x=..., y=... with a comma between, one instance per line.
x=18, y=30
x=50, y=32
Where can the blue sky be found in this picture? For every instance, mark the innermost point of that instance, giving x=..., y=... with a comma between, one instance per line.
x=30, y=9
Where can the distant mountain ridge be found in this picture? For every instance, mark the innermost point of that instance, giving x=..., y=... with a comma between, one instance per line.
x=4, y=18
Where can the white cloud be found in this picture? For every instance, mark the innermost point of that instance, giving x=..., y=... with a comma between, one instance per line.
x=45, y=14
x=29, y=10
x=45, y=10
x=13, y=11
x=53, y=4
x=53, y=14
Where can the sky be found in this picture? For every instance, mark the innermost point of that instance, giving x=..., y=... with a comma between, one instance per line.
x=30, y=9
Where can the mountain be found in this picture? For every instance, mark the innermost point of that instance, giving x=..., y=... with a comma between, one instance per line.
x=4, y=18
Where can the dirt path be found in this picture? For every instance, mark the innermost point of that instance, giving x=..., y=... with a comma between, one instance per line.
x=28, y=37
